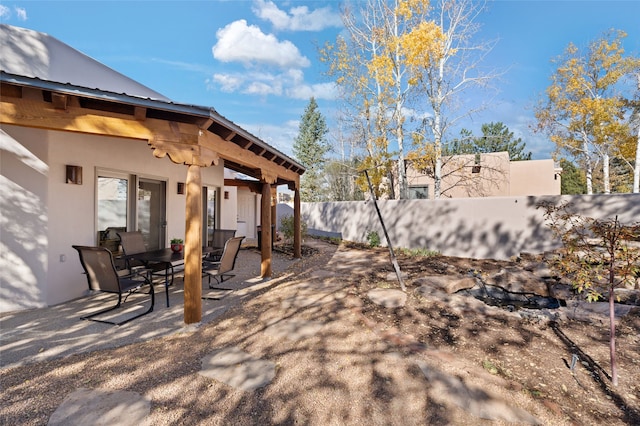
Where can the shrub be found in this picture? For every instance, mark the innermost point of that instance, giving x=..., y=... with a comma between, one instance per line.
x=288, y=230
x=596, y=256
x=373, y=239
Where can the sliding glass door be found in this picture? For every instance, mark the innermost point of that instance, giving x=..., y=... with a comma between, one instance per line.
x=112, y=209
x=209, y=206
x=151, y=209
x=126, y=203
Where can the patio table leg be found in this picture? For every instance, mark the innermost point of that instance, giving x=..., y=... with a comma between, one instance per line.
x=166, y=282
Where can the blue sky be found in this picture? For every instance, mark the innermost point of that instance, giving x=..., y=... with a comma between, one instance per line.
x=256, y=61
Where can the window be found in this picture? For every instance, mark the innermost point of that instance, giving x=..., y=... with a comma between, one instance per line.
x=419, y=192
x=127, y=202
x=476, y=166
x=112, y=209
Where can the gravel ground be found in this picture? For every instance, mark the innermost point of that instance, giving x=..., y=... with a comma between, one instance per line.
x=356, y=365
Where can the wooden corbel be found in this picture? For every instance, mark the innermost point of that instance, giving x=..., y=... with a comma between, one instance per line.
x=183, y=153
x=268, y=177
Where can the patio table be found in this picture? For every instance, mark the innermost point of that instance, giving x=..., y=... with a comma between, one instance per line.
x=167, y=257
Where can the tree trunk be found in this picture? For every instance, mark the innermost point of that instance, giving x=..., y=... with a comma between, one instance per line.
x=589, y=168
x=605, y=173
x=612, y=338
x=636, y=168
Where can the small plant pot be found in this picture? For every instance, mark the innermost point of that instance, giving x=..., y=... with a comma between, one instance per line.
x=176, y=248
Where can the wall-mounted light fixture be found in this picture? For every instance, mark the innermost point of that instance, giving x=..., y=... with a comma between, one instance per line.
x=74, y=175
x=226, y=195
x=180, y=187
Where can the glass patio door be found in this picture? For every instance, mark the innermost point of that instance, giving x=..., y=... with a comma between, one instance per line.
x=151, y=216
x=209, y=206
x=112, y=209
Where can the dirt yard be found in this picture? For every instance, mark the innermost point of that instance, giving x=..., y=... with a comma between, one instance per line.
x=356, y=371
x=533, y=356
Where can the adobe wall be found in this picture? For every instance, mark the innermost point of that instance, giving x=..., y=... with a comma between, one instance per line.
x=496, y=227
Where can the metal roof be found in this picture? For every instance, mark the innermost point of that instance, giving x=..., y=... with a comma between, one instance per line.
x=32, y=59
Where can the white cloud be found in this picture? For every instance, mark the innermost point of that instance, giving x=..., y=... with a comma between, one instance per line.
x=279, y=136
x=319, y=91
x=21, y=13
x=299, y=18
x=228, y=83
x=262, y=88
x=247, y=44
x=290, y=84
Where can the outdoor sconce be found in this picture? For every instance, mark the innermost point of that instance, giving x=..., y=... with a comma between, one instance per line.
x=180, y=187
x=74, y=175
x=226, y=195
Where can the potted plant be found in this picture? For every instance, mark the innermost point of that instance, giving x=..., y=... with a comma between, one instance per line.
x=176, y=245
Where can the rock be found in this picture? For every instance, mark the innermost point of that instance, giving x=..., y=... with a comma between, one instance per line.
x=389, y=298
x=540, y=269
x=392, y=276
x=447, y=283
x=627, y=296
x=101, y=407
x=561, y=291
x=595, y=311
x=238, y=369
x=450, y=390
x=517, y=280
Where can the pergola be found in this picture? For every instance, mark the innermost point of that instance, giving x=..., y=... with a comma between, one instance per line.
x=194, y=136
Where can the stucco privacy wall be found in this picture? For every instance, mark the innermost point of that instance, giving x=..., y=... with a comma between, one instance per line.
x=42, y=216
x=495, y=227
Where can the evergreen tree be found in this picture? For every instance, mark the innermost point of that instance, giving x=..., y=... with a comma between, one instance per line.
x=310, y=148
x=496, y=137
x=573, y=179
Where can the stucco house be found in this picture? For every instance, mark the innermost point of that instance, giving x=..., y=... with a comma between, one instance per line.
x=86, y=151
x=486, y=175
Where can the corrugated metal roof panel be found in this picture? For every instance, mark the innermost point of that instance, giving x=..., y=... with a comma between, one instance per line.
x=34, y=54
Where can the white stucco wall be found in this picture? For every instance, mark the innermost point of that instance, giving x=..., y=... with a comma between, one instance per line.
x=486, y=228
x=43, y=215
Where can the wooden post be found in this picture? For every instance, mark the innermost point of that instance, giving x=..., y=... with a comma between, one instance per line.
x=297, y=230
x=265, y=223
x=274, y=210
x=193, y=247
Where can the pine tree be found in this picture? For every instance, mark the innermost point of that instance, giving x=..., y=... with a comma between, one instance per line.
x=310, y=148
x=573, y=179
x=496, y=137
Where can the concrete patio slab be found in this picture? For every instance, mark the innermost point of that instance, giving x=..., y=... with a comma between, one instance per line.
x=57, y=331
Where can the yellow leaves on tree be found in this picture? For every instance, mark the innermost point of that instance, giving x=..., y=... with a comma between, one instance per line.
x=584, y=112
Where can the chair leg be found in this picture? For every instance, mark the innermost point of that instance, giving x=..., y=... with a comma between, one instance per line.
x=90, y=317
x=220, y=281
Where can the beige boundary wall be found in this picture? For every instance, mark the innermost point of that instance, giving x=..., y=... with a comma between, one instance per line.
x=496, y=227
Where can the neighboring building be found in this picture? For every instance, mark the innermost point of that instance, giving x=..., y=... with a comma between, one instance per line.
x=86, y=151
x=486, y=175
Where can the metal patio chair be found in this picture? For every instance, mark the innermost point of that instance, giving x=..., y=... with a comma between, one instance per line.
x=223, y=269
x=220, y=237
x=103, y=276
x=132, y=242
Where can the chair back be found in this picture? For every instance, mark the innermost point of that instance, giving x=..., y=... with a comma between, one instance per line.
x=221, y=236
x=99, y=268
x=132, y=242
x=229, y=255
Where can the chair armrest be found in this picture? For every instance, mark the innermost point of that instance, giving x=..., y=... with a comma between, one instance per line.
x=135, y=272
x=208, y=265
